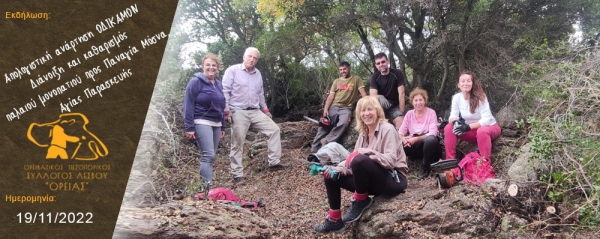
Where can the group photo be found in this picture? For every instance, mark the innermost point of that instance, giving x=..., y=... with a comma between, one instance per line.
x=375, y=119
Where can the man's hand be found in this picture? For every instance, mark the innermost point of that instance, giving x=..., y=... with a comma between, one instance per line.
x=325, y=112
x=190, y=135
x=228, y=117
x=266, y=111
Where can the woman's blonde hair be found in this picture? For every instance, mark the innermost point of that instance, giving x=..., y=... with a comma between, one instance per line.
x=363, y=103
x=418, y=91
x=212, y=57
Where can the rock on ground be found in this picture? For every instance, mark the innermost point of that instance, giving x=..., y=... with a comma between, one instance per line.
x=207, y=219
x=525, y=167
x=425, y=211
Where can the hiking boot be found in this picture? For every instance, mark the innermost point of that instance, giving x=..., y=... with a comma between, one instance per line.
x=278, y=166
x=424, y=172
x=356, y=210
x=331, y=226
x=238, y=181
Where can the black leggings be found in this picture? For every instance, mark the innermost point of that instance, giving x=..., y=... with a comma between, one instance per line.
x=368, y=177
x=428, y=149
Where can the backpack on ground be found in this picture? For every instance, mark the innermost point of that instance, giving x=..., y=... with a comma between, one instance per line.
x=332, y=153
x=227, y=196
x=476, y=169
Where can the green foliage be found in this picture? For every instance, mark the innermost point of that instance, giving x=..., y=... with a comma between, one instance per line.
x=485, y=36
x=559, y=91
x=302, y=87
x=191, y=188
x=589, y=215
x=530, y=74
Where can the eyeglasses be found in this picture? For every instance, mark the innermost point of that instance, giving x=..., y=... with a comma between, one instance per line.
x=380, y=62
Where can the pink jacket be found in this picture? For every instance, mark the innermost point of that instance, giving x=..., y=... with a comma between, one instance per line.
x=385, y=149
x=411, y=126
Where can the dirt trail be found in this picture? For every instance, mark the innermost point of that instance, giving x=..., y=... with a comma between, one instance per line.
x=159, y=200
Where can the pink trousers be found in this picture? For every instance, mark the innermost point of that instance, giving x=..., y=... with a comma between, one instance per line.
x=482, y=135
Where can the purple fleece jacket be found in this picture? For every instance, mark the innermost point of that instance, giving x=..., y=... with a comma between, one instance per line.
x=203, y=100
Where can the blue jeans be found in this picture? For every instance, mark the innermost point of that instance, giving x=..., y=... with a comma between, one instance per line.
x=208, y=140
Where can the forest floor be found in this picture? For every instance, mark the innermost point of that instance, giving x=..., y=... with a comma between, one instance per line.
x=294, y=201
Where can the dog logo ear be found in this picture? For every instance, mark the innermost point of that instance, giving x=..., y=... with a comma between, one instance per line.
x=65, y=136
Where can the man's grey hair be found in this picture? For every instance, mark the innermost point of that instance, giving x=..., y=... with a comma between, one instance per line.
x=249, y=49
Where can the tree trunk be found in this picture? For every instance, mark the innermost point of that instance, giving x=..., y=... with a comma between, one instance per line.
x=462, y=48
x=401, y=58
x=391, y=38
x=365, y=40
x=445, y=61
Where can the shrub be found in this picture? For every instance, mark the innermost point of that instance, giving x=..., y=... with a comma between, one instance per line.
x=562, y=98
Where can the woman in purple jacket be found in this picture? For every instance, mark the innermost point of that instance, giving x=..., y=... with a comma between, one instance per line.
x=203, y=114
